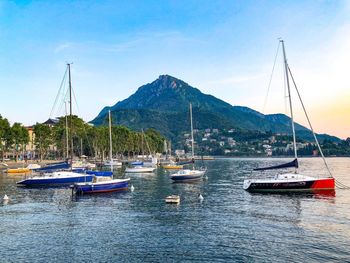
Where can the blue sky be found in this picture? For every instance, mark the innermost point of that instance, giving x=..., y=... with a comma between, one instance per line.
x=225, y=48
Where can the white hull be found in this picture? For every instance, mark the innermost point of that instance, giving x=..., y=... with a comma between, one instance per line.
x=140, y=169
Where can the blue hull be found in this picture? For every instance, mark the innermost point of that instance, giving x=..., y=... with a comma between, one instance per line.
x=100, y=188
x=137, y=163
x=56, y=181
x=186, y=178
x=100, y=173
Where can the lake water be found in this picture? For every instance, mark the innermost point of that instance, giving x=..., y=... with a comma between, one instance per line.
x=229, y=225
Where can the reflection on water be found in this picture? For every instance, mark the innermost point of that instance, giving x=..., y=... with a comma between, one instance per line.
x=228, y=225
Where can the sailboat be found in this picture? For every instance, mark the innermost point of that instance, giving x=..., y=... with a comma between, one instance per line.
x=111, y=162
x=102, y=184
x=58, y=178
x=189, y=174
x=143, y=166
x=292, y=181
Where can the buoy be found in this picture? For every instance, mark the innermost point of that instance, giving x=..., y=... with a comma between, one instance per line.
x=6, y=197
x=200, y=198
x=132, y=188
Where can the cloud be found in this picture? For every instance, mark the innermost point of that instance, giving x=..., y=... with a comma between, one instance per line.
x=236, y=79
x=62, y=47
x=141, y=39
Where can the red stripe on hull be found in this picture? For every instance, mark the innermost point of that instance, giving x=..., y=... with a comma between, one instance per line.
x=327, y=183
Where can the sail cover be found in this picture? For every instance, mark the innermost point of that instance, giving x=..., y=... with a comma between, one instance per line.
x=293, y=163
x=52, y=167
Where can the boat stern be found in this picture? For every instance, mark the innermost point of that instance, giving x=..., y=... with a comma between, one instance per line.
x=324, y=184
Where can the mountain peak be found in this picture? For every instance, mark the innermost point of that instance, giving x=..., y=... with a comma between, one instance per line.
x=168, y=82
x=163, y=104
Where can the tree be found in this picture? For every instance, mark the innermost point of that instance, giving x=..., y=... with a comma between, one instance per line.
x=20, y=137
x=77, y=132
x=5, y=135
x=43, y=139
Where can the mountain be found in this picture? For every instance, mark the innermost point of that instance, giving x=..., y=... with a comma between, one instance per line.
x=163, y=105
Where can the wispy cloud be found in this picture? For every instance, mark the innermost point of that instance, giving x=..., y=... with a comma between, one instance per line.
x=173, y=38
x=62, y=47
x=236, y=79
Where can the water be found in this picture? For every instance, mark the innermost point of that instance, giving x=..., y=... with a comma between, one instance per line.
x=229, y=225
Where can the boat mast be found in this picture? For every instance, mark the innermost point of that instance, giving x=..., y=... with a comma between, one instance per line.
x=142, y=149
x=192, y=140
x=71, y=117
x=290, y=100
x=67, y=143
x=110, y=139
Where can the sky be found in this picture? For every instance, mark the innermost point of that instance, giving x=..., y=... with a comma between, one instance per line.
x=224, y=48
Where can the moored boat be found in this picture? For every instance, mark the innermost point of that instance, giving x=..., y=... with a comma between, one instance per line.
x=139, y=169
x=187, y=175
x=112, y=162
x=101, y=185
x=18, y=170
x=60, y=178
x=102, y=181
x=172, y=199
x=172, y=166
x=291, y=181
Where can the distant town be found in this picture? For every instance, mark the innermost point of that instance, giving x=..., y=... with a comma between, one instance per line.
x=19, y=142
x=235, y=142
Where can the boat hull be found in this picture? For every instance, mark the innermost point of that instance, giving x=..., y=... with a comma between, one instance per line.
x=18, y=170
x=100, y=173
x=140, y=170
x=290, y=185
x=55, y=181
x=109, y=186
x=186, y=178
x=173, y=167
x=187, y=175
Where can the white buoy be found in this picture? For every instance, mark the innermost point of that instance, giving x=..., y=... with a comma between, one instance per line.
x=200, y=198
x=132, y=188
x=6, y=197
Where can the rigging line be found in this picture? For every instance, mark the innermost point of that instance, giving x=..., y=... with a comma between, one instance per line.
x=285, y=96
x=64, y=99
x=78, y=111
x=59, y=92
x=308, y=120
x=269, y=85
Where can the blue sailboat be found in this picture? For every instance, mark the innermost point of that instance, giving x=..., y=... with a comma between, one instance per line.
x=59, y=178
x=53, y=177
x=102, y=184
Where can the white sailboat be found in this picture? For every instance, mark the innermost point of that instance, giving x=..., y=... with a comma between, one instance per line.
x=143, y=167
x=111, y=162
x=292, y=181
x=189, y=174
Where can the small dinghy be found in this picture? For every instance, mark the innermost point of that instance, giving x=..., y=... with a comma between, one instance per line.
x=172, y=199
